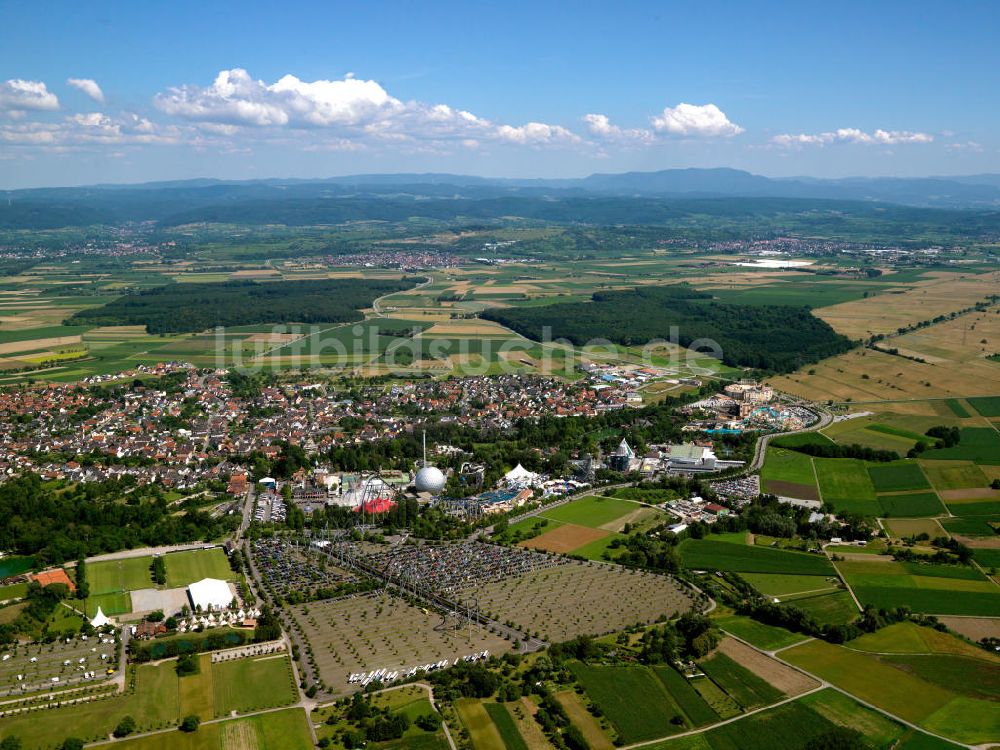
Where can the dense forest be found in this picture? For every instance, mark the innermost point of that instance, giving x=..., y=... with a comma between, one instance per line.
x=181, y=308
x=778, y=338
x=56, y=523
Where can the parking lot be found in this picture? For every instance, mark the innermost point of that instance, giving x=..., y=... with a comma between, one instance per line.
x=26, y=668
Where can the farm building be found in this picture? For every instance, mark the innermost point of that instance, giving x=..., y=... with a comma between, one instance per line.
x=210, y=593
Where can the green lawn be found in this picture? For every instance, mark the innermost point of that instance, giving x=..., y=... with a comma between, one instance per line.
x=712, y=555
x=250, y=684
x=120, y=575
x=592, y=512
x=898, y=476
x=184, y=568
x=110, y=604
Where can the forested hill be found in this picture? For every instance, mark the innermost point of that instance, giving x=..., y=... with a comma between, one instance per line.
x=778, y=338
x=181, y=308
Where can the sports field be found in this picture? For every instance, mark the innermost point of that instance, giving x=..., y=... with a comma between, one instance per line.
x=594, y=512
x=120, y=575
x=184, y=568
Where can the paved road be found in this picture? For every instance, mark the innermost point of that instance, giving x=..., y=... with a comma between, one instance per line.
x=825, y=419
x=143, y=552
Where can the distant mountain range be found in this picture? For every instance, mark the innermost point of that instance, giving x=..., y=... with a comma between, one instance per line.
x=350, y=197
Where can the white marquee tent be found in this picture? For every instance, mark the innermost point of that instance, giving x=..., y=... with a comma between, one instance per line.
x=210, y=592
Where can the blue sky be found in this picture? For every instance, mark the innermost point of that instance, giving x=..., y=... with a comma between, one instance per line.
x=127, y=92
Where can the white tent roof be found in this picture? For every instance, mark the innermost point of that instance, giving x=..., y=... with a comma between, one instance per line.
x=519, y=472
x=100, y=619
x=210, y=592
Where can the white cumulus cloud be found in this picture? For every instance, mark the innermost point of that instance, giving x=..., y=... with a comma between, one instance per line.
x=89, y=87
x=601, y=126
x=536, y=133
x=705, y=120
x=851, y=135
x=17, y=95
x=348, y=108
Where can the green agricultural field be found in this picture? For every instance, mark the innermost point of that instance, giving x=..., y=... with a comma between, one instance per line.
x=786, y=472
x=931, y=706
x=767, y=637
x=482, y=731
x=592, y=512
x=632, y=699
x=746, y=688
x=885, y=429
x=987, y=406
x=928, y=589
x=973, y=678
x=278, y=730
x=957, y=408
x=835, y=608
x=946, y=476
x=972, y=526
x=504, y=722
x=184, y=568
x=898, y=476
x=901, y=638
x=911, y=505
x=793, y=725
x=693, y=706
x=985, y=509
x=844, y=483
x=988, y=558
x=800, y=439
x=707, y=554
x=153, y=704
x=120, y=575
x=777, y=584
x=718, y=699
x=978, y=444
